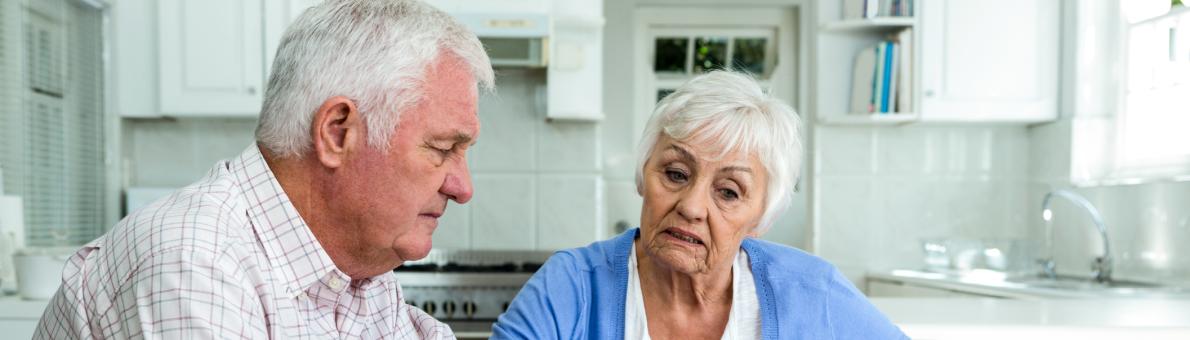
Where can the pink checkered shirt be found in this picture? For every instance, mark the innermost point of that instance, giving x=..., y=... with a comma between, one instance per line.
x=227, y=257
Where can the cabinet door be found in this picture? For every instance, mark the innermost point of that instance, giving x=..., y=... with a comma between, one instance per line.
x=990, y=61
x=210, y=57
x=278, y=14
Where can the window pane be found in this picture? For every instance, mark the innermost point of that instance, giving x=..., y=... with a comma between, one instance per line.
x=662, y=93
x=710, y=53
x=671, y=55
x=749, y=55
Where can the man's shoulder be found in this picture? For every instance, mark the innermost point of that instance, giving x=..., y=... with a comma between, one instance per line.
x=205, y=217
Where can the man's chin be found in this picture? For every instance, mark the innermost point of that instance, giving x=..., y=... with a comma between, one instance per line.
x=415, y=252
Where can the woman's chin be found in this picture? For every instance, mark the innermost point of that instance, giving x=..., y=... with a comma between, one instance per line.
x=679, y=259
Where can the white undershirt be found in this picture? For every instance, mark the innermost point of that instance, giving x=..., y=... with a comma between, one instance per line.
x=743, y=322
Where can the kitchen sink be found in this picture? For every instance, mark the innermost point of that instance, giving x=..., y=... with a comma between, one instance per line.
x=1121, y=288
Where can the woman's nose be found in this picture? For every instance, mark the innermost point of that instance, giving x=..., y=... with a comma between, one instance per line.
x=692, y=204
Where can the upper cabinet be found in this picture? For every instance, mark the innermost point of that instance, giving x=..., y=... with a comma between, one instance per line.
x=952, y=61
x=210, y=57
x=990, y=61
x=278, y=14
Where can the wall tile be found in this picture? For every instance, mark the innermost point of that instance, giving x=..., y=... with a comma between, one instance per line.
x=508, y=124
x=845, y=151
x=623, y=204
x=902, y=150
x=164, y=155
x=454, y=228
x=847, y=215
x=569, y=212
x=569, y=146
x=503, y=212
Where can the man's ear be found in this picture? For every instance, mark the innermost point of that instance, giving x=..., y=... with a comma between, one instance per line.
x=337, y=130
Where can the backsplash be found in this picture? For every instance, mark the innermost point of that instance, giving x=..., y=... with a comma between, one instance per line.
x=1147, y=224
x=881, y=190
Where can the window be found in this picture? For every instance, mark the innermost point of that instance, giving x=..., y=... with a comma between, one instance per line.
x=53, y=125
x=682, y=53
x=1152, y=128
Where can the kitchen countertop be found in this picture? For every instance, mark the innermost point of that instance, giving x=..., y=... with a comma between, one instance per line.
x=979, y=318
x=992, y=284
x=932, y=318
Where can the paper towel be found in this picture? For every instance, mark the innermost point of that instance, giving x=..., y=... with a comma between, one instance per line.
x=12, y=219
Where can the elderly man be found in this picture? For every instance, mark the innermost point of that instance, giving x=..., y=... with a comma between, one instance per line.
x=362, y=139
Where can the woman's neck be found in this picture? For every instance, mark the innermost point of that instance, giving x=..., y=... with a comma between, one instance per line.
x=686, y=292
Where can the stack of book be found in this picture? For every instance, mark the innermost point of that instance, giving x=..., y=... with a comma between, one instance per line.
x=867, y=9
x=882, y=79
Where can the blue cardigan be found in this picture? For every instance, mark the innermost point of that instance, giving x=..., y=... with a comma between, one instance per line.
x=579, y=294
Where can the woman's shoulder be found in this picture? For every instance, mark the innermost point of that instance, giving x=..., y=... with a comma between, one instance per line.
x=789, y=259
x=598, y=256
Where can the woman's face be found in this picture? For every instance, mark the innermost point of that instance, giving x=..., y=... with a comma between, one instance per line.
x=697, y=210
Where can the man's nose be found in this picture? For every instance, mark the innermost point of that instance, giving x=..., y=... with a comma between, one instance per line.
x=457, y=185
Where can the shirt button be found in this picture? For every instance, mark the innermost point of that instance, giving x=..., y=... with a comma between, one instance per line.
x=335, y=283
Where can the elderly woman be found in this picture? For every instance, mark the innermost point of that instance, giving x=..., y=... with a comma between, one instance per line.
x=717, y=165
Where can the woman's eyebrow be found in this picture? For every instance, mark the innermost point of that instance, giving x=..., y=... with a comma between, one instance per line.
x=682, y=152
x=736, y=169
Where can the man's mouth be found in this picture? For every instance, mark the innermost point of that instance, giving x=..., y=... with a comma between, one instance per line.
x=432, y=214
x=683, y=236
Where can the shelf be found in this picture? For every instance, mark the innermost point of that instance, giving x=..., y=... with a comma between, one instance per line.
x=880, y=23
x=868, y=119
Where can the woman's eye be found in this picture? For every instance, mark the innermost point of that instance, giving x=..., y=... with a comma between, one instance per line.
x=729, y=194
x=676, y=176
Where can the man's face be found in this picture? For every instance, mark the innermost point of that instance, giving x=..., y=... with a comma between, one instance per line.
x=402, y=193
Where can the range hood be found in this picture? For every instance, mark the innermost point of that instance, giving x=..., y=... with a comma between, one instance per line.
x=511, y=39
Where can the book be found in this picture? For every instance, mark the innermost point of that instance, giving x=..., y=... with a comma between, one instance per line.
x=905, y=82
x=890, y=98
x=863, y=80
x=886, y=74
x=878, y=78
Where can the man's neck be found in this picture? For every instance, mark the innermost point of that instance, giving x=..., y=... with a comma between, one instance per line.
x=298, y=180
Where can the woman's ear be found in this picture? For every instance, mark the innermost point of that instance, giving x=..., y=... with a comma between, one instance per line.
x=336, y=130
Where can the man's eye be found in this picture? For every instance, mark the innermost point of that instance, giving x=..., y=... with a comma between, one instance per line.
x=729, y=194
x=675, y=176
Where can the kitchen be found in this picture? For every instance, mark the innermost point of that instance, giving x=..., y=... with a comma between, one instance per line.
x=931, y=205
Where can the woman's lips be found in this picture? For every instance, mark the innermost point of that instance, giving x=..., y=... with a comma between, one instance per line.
x=683, y=236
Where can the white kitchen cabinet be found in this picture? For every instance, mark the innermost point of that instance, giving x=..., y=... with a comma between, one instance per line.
x=278, y=14
x=210, y=57
x=989, y=61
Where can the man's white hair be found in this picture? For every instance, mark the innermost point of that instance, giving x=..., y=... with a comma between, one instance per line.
x=729, y=113
x=374, y=52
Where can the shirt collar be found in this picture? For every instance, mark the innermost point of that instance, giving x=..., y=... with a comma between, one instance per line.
x=288, y=242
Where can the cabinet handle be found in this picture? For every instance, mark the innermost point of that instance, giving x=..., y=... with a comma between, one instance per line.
x=930, y=93
x=252, y=90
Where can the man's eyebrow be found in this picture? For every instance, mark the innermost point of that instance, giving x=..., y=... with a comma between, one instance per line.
x=460, y=138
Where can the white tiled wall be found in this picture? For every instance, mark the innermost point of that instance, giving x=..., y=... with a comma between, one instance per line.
x=1147, y=224
x=881, y=190
x=174, y=153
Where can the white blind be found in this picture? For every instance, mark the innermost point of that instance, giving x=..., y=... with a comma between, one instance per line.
x=55, y=158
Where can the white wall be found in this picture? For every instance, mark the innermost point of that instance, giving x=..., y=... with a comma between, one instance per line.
x=881, y=190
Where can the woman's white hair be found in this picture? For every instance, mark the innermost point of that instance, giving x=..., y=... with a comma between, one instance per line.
x=729, y=112
x=375, y=52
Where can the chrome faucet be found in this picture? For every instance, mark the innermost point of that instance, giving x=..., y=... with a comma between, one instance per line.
x=1102, y=265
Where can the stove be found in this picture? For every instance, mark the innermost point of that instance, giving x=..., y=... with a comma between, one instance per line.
x=467, y=290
